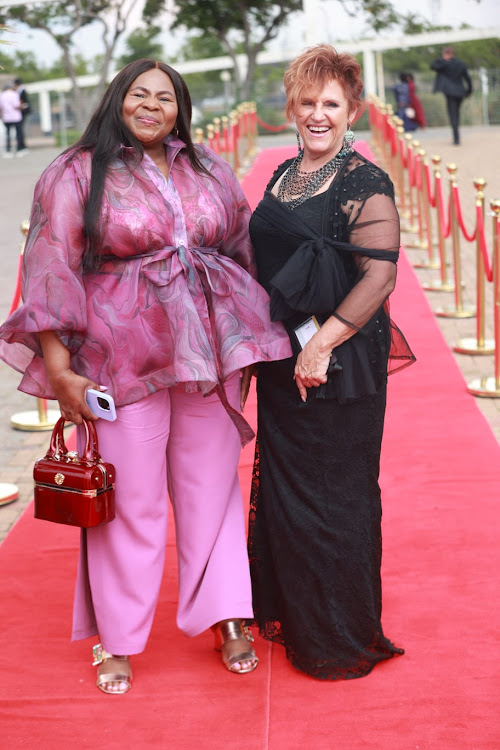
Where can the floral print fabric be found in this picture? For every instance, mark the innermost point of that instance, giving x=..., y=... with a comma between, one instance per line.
x=174, y=300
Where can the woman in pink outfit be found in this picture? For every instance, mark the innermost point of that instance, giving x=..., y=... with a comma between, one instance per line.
x=139, y=279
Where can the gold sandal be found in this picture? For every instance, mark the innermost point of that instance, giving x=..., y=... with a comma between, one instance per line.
x=232, y=639
x=119, y=671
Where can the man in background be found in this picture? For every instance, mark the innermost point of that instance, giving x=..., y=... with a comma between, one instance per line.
x=25, y=105
x=453, y=80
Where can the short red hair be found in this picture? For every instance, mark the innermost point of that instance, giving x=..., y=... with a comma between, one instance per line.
x=317, y=66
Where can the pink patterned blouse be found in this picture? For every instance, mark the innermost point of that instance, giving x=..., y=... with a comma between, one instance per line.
x=175, y=299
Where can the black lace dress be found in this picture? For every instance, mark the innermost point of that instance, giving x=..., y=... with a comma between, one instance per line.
x=315, y=518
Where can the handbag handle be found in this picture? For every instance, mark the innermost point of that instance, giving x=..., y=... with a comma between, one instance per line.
x=58, y=446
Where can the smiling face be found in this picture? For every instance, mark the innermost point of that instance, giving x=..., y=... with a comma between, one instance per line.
x=322, y=120
x=150, y=108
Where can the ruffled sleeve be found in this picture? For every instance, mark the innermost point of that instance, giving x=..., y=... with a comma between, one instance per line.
x=52, y=286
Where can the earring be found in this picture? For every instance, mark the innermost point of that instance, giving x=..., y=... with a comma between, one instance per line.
x=174, y=131
x=349, y=137
x=299, y=145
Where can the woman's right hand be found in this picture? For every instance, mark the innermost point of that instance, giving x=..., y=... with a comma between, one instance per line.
x=70, y=390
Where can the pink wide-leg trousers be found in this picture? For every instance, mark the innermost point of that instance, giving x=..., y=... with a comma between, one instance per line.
x=188, y=441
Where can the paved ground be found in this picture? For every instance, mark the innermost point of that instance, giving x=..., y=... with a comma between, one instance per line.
x=478, y=156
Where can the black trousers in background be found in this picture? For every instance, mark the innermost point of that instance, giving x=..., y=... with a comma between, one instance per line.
x=19, y=135
x=453, y=104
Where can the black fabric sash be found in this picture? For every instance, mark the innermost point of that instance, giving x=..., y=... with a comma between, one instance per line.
x=314, y=279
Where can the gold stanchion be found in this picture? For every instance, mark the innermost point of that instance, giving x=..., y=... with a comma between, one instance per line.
x=490, y=387
x=400, y=175
x=217, y=134
x=253, y=128
x=479, y=345
x=412, y=228
x=210, y=136
x=242, y=110
x=198, y=135
x=233, y=122
x=393, y=151
x=425, y=217
x=36, y=421
x=8, y=493
x=417, y=154
x=443, y=285
x=459, y=311
x=225, y=136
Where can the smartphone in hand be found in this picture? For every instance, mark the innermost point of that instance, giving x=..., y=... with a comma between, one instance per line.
x=101, y=404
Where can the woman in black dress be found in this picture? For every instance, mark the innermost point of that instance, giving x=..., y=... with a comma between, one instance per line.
x=326, y=236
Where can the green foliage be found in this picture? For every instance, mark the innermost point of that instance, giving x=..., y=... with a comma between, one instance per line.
x=22, y=64
x=207, y=84
x=58, y=12
x=221, y=17
x=201, y=46
x=380, y=13
x=71, y=137
x=414, y=24
x=141, y=43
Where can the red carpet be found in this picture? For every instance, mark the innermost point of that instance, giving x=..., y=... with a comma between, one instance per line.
x=441, y=480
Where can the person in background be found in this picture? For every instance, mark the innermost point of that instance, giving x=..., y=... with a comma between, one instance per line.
x=11, y=113
x=453, y=80
x=326, y=238
x=415, y=103
x=138, y=278
x=25, y=104
x=404, y=109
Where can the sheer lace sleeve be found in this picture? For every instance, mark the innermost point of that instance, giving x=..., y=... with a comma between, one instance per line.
x=374, y=224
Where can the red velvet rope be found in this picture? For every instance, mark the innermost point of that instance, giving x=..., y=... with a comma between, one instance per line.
x=394, y=141
x=17, y=291
x=445, y=229
x=418, y=173
x=273, y=128
x=458, y=212
x=432, y=198
x=411, y=170
x=488, y=265
x=404, y=158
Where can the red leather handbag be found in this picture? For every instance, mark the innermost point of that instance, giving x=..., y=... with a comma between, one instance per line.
x=72, y=489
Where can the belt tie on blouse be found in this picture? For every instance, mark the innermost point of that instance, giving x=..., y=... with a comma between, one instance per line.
x=207, y=274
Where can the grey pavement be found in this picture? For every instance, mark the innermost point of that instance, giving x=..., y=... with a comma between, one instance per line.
x=478, y=156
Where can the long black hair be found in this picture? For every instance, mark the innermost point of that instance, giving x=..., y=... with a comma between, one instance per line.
x=107, y=132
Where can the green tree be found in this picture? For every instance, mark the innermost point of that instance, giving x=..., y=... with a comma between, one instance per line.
x=208, y=83
x=241, y=25
x=248, y=25
x=141, y=43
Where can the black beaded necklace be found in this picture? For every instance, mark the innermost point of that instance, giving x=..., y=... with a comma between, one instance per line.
x=304, y=185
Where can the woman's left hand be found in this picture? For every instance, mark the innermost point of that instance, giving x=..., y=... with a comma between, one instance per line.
x=311, y=368
x=246, y=378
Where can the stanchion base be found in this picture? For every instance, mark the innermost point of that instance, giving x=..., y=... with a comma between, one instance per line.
x=452, y=312
x=420, y=245
x=30, y=420
x=8, y=493
x=485, y=387
x=470, y=346
x=438, y=286
x=409, y=229
x=433, y=264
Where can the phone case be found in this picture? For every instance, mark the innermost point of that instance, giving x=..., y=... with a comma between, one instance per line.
x=101, y=404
